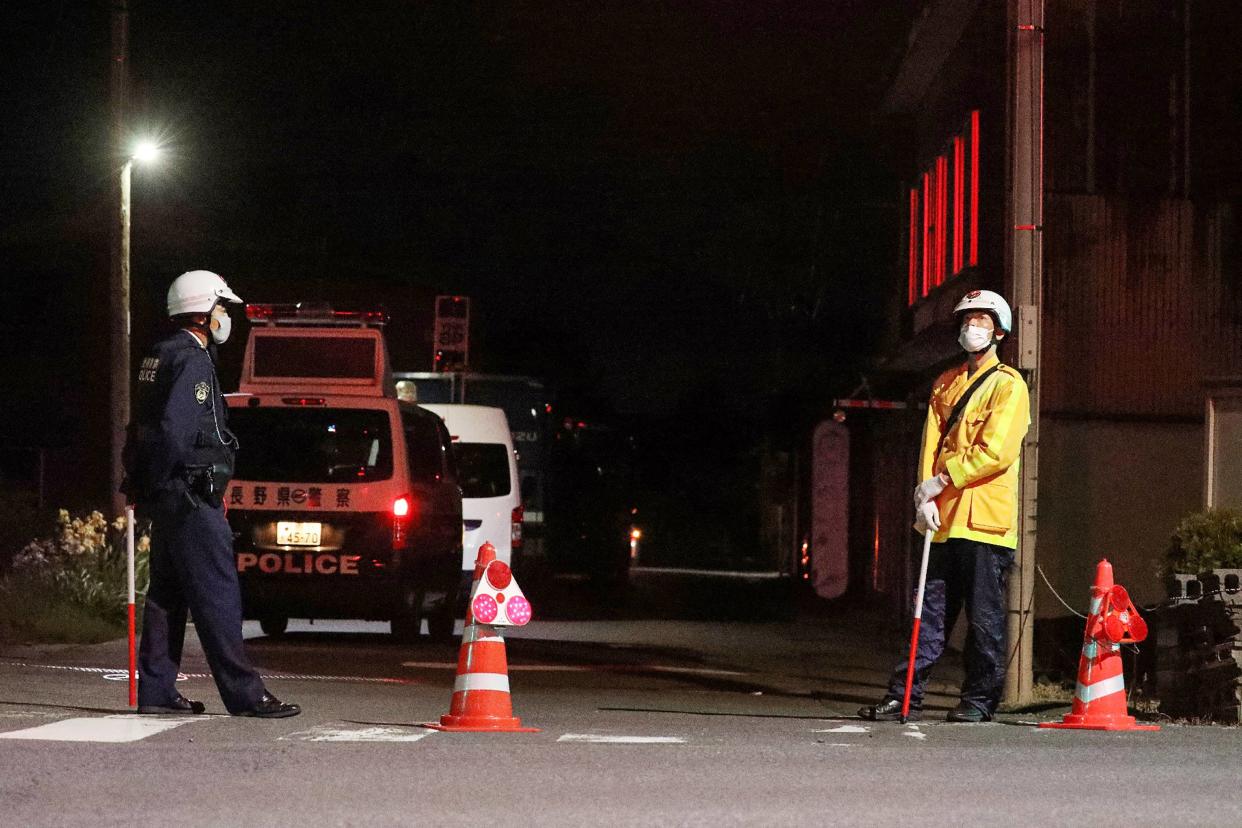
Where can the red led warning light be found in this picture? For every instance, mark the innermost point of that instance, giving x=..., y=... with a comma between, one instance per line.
x=519, y=610
x=499, y=575
x=485, y=609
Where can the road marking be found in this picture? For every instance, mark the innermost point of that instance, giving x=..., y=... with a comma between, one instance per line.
x=119, y=728
x=584, y=668
x=115, y=674
x=844, y=729
x=913, y=732
x=328, y=733
x=601, y=739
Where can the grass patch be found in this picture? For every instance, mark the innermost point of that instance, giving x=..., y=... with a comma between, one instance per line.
x=32, y=612
x=71, y=587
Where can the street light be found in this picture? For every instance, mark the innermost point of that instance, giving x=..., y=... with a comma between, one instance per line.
x=144, y=152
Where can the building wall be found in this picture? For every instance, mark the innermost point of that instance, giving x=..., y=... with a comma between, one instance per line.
x=1142, y=97
x=886, y=539
x=1142, y=303
x=1111, y=490
x=1142, y=283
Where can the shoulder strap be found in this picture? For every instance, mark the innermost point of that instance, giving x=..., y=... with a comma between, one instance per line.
x=960, y=406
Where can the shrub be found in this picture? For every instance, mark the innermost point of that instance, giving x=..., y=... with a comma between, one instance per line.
x=1206, y=540
x=84, y=564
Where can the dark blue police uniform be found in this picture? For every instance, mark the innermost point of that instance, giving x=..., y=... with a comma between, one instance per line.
x=962, y=572
x=178, y=457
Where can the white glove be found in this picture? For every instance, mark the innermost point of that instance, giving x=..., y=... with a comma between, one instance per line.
x=929, y=489
x=928, y=517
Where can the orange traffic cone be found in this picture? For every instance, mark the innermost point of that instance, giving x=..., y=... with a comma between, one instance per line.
x=481, y=699
x=1100, y=696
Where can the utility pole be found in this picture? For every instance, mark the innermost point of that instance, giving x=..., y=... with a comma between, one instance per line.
x=1024, y=263
x=118, y=286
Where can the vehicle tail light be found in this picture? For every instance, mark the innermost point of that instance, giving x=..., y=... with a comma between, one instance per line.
x=515, y=533
x=402, y=517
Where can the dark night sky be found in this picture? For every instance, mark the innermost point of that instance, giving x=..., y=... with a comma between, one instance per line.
x=655, y=202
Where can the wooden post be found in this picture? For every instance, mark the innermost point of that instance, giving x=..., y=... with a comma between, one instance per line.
x=118, y=288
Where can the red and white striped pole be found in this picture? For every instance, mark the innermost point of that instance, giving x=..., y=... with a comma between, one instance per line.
x=918, y=617
x=129, y=563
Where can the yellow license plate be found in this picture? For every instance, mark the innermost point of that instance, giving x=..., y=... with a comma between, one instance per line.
x=298, y=534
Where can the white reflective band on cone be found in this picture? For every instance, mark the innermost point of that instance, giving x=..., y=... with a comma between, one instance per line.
x=481, y=633
x=482, y=681
x=1102, y=688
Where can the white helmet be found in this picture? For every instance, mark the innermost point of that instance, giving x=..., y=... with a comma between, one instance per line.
x=198, y=291
x=986, y=300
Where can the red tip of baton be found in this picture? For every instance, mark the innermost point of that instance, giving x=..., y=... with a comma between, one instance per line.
x=133, y=661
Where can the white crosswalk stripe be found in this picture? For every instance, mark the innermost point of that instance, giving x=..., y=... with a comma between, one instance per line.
x=604, y=739
x=338, y=733
x=119, y=728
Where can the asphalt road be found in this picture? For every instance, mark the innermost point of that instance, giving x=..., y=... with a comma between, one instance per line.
x=687, y=719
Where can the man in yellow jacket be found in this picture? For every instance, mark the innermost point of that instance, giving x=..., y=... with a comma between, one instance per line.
x=976, y=420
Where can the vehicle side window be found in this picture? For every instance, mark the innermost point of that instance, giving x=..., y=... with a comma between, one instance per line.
x=446, y=447
x=423, y=445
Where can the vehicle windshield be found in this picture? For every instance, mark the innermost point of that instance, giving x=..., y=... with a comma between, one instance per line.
x=312, y=445
x=482, y=469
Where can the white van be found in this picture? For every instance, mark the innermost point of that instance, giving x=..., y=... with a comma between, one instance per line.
x=491, y=499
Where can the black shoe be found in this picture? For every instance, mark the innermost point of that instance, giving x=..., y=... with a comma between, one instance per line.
x=270, y=707
x=889, y=710
x=180, y=705
x=968, y=713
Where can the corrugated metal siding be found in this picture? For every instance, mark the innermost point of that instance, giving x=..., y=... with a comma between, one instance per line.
x=1140, y=305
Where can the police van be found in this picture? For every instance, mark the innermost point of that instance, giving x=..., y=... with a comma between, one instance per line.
x=345, y=500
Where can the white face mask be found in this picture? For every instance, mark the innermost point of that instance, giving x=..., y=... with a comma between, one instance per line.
x=221, y=334
x=974, y=339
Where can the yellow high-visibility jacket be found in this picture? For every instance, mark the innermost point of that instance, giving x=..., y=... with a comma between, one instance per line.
x=980, y=453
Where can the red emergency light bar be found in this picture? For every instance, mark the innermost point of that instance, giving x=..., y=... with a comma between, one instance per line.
x=315, y=313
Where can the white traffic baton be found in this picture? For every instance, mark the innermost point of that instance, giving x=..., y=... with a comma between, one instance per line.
x=129, y=563
x=918, y=617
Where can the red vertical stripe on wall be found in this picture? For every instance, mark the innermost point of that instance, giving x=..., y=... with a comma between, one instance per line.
x=927, y=236
x=914, y=246
x=942, y=192
x=974, y=188
x=959, y=178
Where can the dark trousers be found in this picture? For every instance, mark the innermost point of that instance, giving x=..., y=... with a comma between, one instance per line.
x=192, y=567
x=961, y=572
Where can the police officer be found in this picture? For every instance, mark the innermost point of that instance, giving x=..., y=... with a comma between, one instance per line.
x=969, y=497
x=178, y=460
